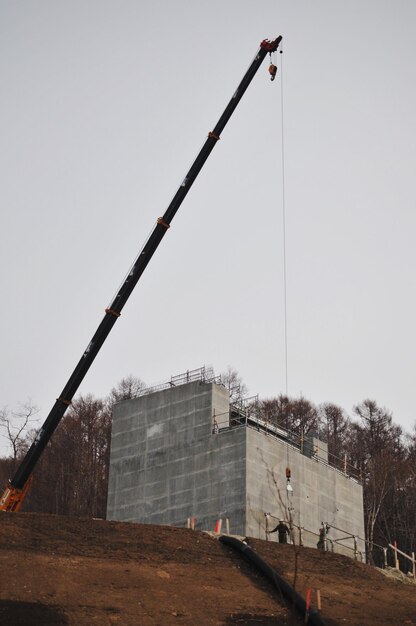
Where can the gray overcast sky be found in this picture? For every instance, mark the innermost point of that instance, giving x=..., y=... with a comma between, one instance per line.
x=104, y=106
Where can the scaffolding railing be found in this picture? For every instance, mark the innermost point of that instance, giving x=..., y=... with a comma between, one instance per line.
x=204, y=374
x=248, y=412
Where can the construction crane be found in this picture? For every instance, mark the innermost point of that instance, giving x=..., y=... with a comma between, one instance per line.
x=19, y=484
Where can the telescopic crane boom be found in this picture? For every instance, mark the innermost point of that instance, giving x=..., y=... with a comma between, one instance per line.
x=18, y=486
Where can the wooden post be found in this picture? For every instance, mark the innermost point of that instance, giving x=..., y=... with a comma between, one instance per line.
x=385, y=557
x=318, y=599
x=396, y=559
x=227, y=525
x=345, y=464
x=192, y=523
x=188, y=523
x=414, y=565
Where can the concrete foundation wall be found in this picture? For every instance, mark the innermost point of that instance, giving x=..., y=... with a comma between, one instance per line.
x=167, y=465
x=170, y=461
x=320, y=493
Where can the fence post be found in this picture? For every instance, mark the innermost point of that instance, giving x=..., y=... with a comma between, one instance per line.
x=227, y=525
x=396, y=560
x=414, y=565
x=355, y=547
x=385, y=557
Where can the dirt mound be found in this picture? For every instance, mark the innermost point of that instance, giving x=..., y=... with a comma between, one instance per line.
x=57, y=571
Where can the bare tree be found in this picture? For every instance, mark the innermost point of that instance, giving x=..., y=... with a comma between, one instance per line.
x=128, y=387
x=375, y=444
x=15, y=424
x=278, y=410
x=337, y=423
x=235, y=385
x=303, y=416
x=378, y=426
x=72, y=474
x=297, y=415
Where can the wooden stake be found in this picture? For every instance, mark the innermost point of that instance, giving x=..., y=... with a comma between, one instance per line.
x=318, y=599
x=396, y=560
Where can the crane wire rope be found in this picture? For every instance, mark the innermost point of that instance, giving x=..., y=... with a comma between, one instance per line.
x=289, y=505
x=284, y=224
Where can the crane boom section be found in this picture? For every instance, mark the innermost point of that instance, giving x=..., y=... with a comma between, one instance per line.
x=15, y=492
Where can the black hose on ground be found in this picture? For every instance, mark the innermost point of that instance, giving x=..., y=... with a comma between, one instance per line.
x=287, y=591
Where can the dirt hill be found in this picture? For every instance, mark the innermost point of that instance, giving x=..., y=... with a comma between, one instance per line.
x=60, y=570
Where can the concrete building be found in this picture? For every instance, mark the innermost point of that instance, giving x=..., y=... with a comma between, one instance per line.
x=182, y=452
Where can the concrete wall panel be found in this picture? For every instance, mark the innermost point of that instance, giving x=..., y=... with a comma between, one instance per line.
x=169, y=462
x=167, y=465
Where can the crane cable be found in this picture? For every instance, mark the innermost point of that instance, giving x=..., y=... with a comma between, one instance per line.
x=273, y=73
x=284, y=222
x=284, y=262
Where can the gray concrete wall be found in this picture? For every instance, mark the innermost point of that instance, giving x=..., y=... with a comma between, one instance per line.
x=167, y=465
x=320, y=493
x=170, y=461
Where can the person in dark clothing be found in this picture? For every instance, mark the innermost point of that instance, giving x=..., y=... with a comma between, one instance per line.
x=322, y=543
x=282, y=531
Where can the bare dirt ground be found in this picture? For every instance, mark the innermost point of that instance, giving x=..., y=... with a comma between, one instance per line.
x=56, y=571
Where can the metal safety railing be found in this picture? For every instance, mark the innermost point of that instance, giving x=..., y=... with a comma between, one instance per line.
x=299, y=535
x=248, y=413
x=204, y=374
x=396, y=552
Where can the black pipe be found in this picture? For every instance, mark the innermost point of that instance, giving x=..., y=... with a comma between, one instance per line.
x=287, y=591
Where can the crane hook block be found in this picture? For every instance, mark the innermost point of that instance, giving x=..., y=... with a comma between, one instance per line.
x=272, y=71
x=271, y=46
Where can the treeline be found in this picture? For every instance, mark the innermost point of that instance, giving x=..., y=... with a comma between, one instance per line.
x=71, y=477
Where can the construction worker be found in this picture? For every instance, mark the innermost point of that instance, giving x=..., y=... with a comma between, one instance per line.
x=283, y=531
x=321, y=545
